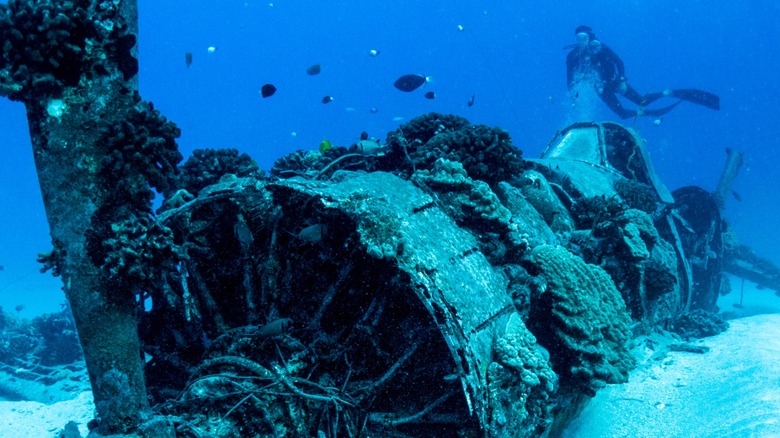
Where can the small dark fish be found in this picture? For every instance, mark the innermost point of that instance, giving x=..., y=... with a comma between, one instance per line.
x=188, y=59
x=471, y=101
x=19, y=307
x=267, y=90
x=327, y=99
x=736, y=195
x=373, y=110
x=364, y=135
x=313, y=233
x=243, y=234
x=314, y=69
x=409, y=83
x=430, y=95
x=275, y=328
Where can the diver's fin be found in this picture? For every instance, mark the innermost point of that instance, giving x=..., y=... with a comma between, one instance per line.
x=659, y=111
x=698, y=97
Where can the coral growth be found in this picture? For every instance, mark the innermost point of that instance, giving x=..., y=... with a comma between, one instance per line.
x=143, y=144
x=307, y=163
x=123, y=239
x=17, y=338
x=469, y=201
x=52, y=260
x=637, y=195
x=582, y=316
x=419, y=130
x=541, y=195
x=625, y=242
x=206, y=166
x=637, y=226
x=136, y=251
x=588, y=213
x=660, y=271
x=521, y=383
x=49, y=46
x=48, y=340
x=486, y=153
x=473, y=205
x=60, y=341
x=698, y=324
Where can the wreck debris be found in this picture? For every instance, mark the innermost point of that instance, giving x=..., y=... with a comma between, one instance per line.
x=418, y=305
x=434, y=282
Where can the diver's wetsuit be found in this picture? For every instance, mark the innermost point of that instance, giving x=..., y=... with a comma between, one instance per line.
x=610, y=71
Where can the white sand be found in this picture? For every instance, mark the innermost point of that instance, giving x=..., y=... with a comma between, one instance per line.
x=37, y=420
x=731, y=391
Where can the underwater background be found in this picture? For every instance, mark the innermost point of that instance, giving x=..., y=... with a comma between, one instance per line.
x=508, y=55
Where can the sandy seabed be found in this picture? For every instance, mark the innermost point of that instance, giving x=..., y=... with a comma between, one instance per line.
x=27, y=419
x=733, y=390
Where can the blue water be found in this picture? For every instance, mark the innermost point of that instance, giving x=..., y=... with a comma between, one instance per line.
x=508, y=55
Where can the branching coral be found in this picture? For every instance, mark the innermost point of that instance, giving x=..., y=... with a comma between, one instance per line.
x=423, y=128
x=486, y=153
x=637, y=195
x=142, y=143
x=43, y=39
x=52, y=260
x=136, y=251
x=206, y=166
x=124, y=240
x=589, y=212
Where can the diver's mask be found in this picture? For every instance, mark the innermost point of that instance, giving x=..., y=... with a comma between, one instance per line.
x=582, y=39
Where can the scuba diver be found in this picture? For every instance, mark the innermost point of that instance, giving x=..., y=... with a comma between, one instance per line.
x=591, y=60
